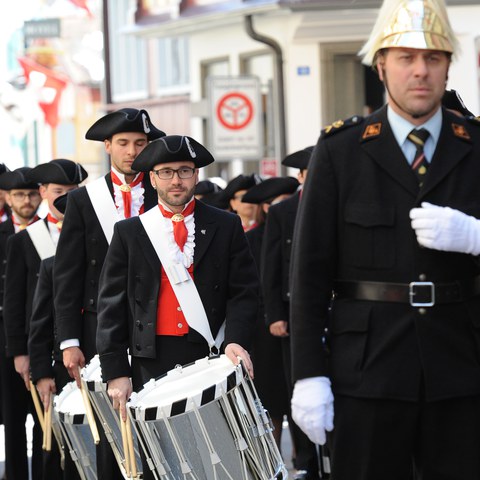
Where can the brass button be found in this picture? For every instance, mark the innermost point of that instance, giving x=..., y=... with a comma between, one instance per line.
x=179, y=309
x=422, y=277
x=422, y=311
x=180, y=325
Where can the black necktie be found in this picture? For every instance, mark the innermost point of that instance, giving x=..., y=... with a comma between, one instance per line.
x=419, y=165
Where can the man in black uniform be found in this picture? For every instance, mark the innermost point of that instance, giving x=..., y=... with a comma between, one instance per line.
x=23, y=199
x=46, y=364
x=138, y=309
x=25, y=251
x=402, y=373
x=86, y=233
x=277, y=245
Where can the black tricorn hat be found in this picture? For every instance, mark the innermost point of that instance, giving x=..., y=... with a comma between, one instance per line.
x=60, y=170
x=298, y=159
x=270, y=189
x=60, y=203
x=17, y=179
x=172, y=148
x=453, y=101
x=123, y=120
x=241, y=182
x=205, y=187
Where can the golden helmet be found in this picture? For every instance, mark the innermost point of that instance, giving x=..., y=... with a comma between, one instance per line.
x=420, y=24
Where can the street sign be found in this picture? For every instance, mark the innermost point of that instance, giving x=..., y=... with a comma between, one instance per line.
x=235, y=118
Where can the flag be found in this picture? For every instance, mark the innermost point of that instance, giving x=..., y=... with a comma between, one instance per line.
x=51, y=90
x=82, y=4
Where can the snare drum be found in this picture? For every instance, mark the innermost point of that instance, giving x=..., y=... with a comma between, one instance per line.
x=205, y=421
x=75, y=429
x=109, y=418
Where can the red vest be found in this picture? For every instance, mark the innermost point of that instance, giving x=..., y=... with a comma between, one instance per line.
x=170, y=318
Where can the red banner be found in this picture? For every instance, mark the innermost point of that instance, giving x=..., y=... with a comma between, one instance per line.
x=53, y=80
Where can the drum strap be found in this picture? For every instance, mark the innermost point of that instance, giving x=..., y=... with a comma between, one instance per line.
x=41, y=239
x=103, y=205
x=181, y=281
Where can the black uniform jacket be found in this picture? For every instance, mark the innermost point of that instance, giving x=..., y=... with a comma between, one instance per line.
x=79, y=258
x=353, y=224
x=6, y=230
x=23, y=264
x=275, y=266
x=224, y=274
x=42, y=339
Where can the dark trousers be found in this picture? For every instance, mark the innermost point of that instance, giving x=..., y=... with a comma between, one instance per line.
x=16, y=405
x=396, y=440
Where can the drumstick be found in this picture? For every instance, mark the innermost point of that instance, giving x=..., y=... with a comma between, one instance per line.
x=36, y=403
x=89, y=411
x=126, y=449
x=131, y=450
x=48, y=425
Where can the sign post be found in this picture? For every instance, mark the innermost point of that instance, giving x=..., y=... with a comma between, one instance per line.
x=235, y=118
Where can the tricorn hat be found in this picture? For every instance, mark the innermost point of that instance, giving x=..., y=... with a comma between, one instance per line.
x=17, y=179
x=271, y=188
x=172, y=148
x=417, y=24
x=60, y=203
x=240, y=182
x=452, y=100
x=123, y=120
x=60, y=170
x=298, y=159
x=205, y=187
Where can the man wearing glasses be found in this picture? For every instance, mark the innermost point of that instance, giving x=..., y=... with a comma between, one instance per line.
x=23, y=198
x=138, y=309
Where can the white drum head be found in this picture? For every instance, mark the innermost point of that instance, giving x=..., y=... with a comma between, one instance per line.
x=69, y=404
x=184, y=387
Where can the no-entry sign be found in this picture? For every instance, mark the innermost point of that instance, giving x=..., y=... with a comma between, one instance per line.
x=235, y=113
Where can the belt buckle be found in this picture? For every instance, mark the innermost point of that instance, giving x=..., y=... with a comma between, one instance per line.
x=412, y=292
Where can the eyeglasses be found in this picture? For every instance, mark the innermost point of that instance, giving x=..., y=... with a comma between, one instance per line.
x=21, y=196
x=168, y=173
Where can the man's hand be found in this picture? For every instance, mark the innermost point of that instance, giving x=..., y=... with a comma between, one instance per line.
x=279, y=328
x=73, y=359
x=22, y=367
x=119, y=390
x=446, y=229
x=233, y=351
x=312, y=407
x=46, y=388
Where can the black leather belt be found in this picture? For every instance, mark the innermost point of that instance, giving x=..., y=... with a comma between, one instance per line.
x=417, y=294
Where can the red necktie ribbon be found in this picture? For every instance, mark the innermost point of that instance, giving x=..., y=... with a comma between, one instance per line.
x=180, y=231
x=126, y=189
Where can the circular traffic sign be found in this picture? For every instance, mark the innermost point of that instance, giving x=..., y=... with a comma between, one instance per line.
x=234, y=110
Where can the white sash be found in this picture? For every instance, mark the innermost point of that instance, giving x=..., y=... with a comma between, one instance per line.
x=181, y=281
x=41, y=239
x=104, y=206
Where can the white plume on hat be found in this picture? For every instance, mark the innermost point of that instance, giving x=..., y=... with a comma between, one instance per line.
x=419, y=24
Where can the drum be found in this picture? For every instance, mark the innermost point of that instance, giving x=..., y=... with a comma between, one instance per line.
x=75, y=429
x=205, y=421
x=109, y=418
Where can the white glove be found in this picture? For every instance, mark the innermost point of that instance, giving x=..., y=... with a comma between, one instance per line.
x=443, y=228
x=312, y=407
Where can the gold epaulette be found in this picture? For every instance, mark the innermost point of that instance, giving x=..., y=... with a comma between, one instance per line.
x=341, y=125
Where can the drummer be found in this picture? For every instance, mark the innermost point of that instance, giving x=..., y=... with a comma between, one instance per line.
x=138, y=308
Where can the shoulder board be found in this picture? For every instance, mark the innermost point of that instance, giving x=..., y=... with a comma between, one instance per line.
x=339, y=125
x=474, y=120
